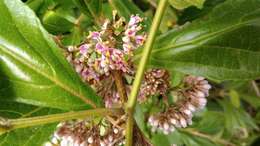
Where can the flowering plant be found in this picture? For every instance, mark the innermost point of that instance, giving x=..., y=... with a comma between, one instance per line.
x=123, y=73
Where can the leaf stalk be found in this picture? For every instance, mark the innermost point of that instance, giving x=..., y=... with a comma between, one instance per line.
x=39, y=120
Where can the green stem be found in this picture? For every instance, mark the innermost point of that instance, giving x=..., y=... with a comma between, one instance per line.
x=40, y=120
x=141, y=68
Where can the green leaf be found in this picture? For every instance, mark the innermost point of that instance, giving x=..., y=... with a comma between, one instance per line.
x=35, y=4
x=33, y=136
x=91, y=8
x=56, y=23
x=193, y=13
x=234, y=98
x=66, y=4
x=95, y=7
x=236, y=120
x=252, y=100
x=139, y=116
x=225, y=46
x=74, y=38
x=169, y=19
x=82, y=6
x=212, y=122
x=179, y=138
x=45, y=6
x=126, y=8
x=107, y=11
x=33, y=69
x=182, y=4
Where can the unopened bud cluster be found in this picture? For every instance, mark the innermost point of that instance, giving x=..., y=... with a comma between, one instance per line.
x=180, y=115
x=109, y=49
x=156, y=82
x=82, y=133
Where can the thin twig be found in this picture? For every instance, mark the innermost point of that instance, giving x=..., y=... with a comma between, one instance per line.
x=120, y=85
x=113, y=122
x=57, y=40
x=31, y=112
x=79, y=19
x=254, y=84
x=118, y=139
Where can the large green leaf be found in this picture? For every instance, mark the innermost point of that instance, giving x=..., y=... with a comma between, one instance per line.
x=33, y=136
x=33, y=69
x=193, y=13
x=222, y=46
x=56, y=23
x=182, y=4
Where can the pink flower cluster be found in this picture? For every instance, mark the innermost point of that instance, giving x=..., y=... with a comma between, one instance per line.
x=180, y=115
x=131, y=39
x=102, y=52
x=82, y=133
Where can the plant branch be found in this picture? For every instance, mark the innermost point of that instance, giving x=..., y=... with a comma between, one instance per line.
x=79, y=19
x=140, y=71
x=13, y=124
x=57, y=40
x=120, y=85
x=254, y=84
x=209, y=137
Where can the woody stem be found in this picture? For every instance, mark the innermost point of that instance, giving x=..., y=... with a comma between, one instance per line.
x=120, y=85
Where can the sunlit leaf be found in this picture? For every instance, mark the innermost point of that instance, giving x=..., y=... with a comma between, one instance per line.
x=33, y=69
x=182, y=4
x=222, y=46
x=32, y=136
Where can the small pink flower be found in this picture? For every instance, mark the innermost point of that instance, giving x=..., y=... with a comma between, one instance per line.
x=134, y=20
x=84, y=49
x=100, y=48
x=95, y=35
x=130, y=32
x=140, y=40
x=127, y=48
